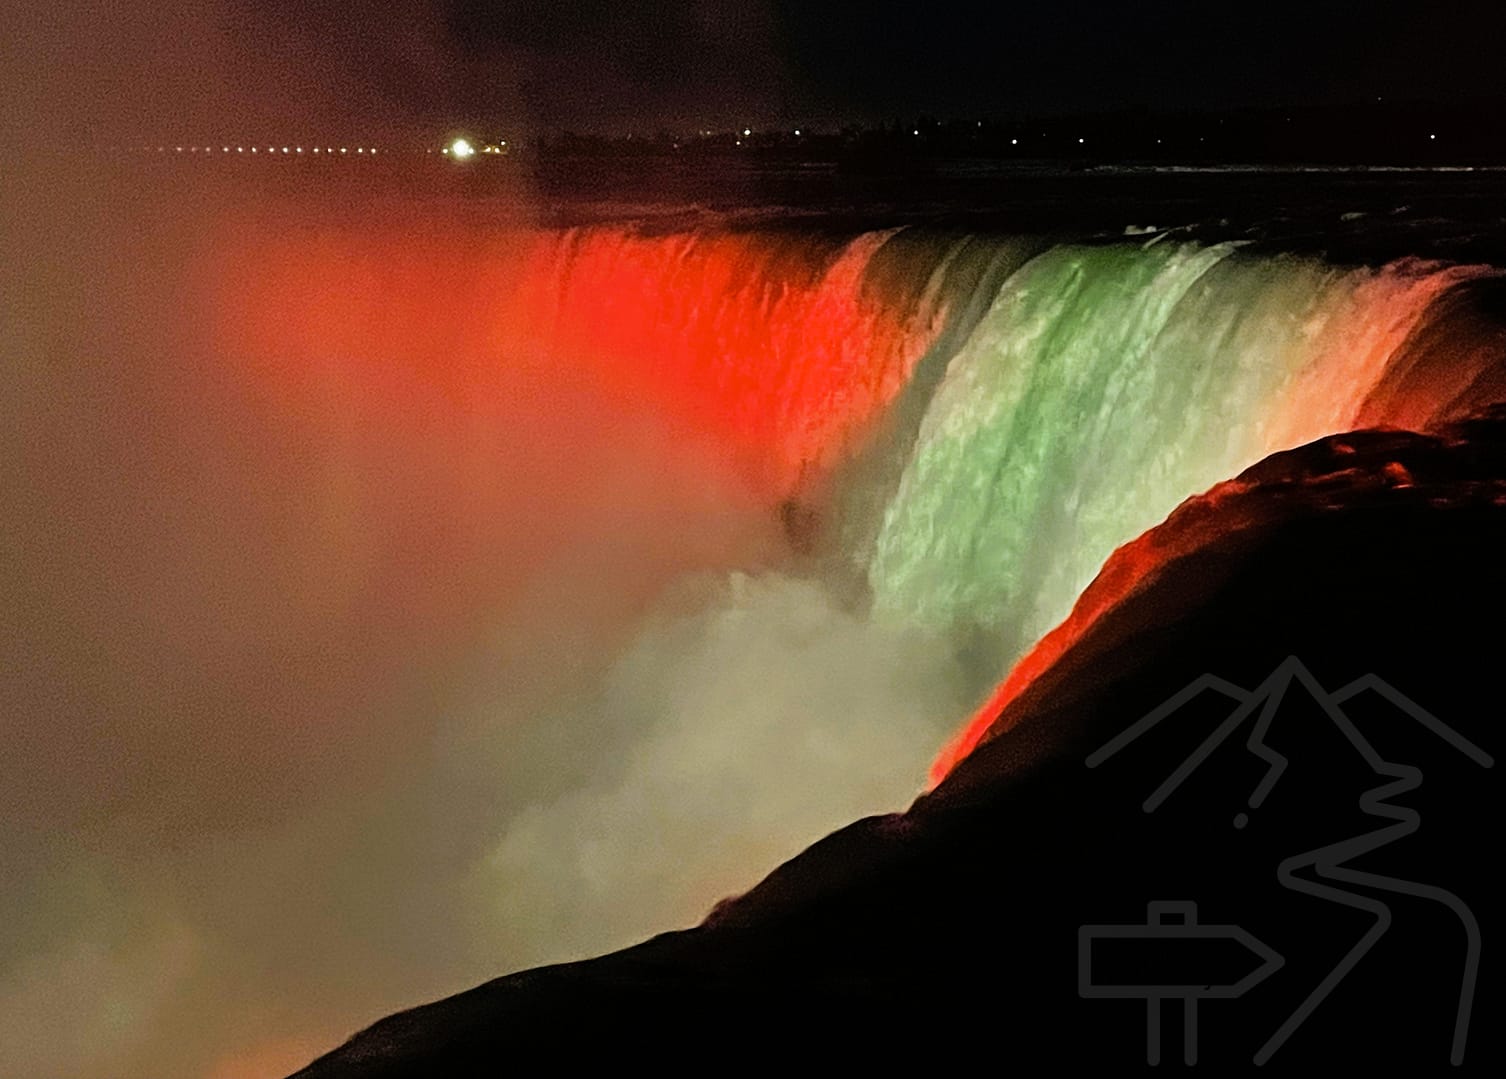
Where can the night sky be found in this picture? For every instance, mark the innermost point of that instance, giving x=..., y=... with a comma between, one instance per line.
x=683, y=63
x=391, y=67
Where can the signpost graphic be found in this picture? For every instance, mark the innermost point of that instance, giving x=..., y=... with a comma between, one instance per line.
x=1172, y=956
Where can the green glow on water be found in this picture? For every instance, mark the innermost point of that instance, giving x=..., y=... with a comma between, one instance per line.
x=1103, y=387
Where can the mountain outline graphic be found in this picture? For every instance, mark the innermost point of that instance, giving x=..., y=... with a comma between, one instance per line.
x=1323, y=871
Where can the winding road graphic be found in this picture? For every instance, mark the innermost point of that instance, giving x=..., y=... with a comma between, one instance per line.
x=1323, y=872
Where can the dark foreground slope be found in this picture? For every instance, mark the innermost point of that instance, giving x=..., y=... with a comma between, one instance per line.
x=1327, y=630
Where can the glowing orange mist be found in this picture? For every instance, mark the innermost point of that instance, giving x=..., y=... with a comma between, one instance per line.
x=777, y=346
x=774, y=347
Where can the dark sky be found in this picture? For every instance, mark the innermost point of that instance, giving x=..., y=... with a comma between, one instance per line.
x=610, y=61
x=613, y=65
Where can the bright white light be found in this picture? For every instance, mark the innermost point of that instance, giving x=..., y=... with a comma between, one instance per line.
x=461, y=149
x=300, y=150
x=342, y=149
x=373, y=149
x=360, y=150
x=747, y=131
x=225, y=149
x=253, y=149
x=316, y=149
x=916, y=131
x=180, y=149
x=284, y=149
x=240, y=149
x=1079, y=142
x=1432, y=136
x=797, y=132
x=1014, y=142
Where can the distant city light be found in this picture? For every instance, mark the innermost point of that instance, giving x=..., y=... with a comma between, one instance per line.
x=463, y=148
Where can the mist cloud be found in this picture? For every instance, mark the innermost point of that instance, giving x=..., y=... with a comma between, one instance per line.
x=354, y=652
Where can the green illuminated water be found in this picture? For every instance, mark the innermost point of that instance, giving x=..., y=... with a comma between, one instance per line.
x=1103, y=386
